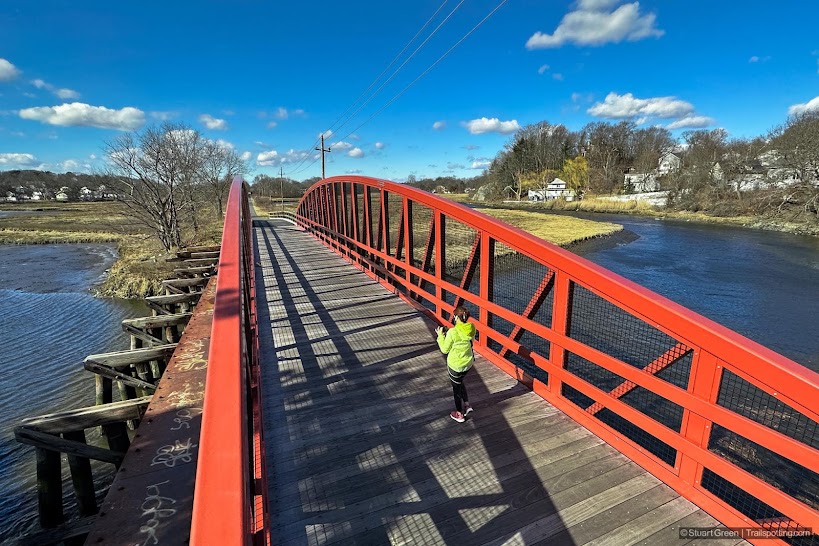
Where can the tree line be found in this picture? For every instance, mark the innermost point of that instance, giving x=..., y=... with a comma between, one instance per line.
x=776, y=171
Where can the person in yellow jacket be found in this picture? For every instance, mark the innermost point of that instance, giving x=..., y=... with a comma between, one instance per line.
x=457, y=345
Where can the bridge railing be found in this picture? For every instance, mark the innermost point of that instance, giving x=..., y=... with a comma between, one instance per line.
x=729, y=424
x=230, y=495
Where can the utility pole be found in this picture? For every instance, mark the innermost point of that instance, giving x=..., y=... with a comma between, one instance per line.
x=322, y=154
x=281, y=185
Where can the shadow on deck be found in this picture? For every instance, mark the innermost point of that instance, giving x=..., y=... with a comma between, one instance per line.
x=361, y=449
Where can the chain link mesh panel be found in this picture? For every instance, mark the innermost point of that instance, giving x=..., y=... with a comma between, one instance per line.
x=761, y=513
x=740, y=396
x=395, y=211
x=661, y=410
x=521, y=285
x=787, y=476
x=459, y=241
x=604, y=326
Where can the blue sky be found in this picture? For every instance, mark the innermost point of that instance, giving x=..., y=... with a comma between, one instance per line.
x=268, y=77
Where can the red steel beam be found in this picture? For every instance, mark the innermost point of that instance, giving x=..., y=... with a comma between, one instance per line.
x=656, y=366
x=541, y=292
x=471, y=265
x=221, y=499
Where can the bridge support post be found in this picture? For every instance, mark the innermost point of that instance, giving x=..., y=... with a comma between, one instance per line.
x=561, y=318
x=703, y=384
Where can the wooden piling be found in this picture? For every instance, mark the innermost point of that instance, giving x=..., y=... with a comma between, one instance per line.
x=49, y=488
x=81, y=477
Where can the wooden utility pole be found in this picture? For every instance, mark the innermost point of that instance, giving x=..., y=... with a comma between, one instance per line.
x=322, y=154
x=281, y=185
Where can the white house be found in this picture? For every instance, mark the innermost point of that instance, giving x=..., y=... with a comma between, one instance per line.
x=37, y=196
x=556, y=189
x=86, y=194
x=641, y=182
x=669, y=163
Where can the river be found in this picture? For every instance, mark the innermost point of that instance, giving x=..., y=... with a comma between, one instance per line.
x=761, y=284
x=49, y=322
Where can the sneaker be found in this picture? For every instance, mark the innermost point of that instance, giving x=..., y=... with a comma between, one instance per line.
x=467, y=409
x=457, y=416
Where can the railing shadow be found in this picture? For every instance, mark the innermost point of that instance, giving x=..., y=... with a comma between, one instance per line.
x=361, y=449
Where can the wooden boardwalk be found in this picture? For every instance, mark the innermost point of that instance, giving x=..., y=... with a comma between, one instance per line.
x=361, y=449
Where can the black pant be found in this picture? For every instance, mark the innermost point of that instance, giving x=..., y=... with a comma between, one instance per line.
x=458, y=388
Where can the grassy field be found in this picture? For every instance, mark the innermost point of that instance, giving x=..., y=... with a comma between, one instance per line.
x=142, y=264
x=560, y=230
x=266, y=205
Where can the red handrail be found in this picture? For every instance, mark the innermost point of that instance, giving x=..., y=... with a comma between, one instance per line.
x=331, y=211
x=230, y=468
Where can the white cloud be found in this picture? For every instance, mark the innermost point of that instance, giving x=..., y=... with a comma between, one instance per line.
x=493, y=125
x=69, y=165
x=453, y=166
x=342, y=146
x=327, y=134
x=481, y=164
x=272, y=125
x=353, y=171
x=379, y=145
x=627, y=106
x=224, y=144
x=753, y=59
x=283, y=113
x=8, y=71
x=438, y=125
x=245, y=156
x=78, y=114
x=356, y=152
x=272, y=158
x=691, y=122
x=758, y=59
x=92, y=156
x=164, y=116
x=18, y=160
x=543, y=68
x=594, y=24
x=471, y=147
x=65, y=94
x=810, y=106
x=61, y=93
x=558, y=76
x=213, y=123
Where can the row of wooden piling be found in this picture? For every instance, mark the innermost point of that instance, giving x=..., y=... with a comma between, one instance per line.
x=135, y=372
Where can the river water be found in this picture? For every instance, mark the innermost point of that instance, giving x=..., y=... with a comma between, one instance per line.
x=761, y=284
x=49, y=322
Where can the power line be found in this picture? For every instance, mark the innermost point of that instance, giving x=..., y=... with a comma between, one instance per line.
x=408, y=59
x=389, y=65
x=374, y=82
x=433, y=65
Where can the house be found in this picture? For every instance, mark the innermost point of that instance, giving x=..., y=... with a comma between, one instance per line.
x=86, y=194
x=556, y=189
x=669, y=163
x=641, y=182
x=440, y=190
x=37, y=196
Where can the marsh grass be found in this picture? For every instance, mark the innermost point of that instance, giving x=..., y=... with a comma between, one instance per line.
x=142, y=263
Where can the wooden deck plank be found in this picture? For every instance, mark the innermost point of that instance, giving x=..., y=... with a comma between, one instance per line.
x=360, y=446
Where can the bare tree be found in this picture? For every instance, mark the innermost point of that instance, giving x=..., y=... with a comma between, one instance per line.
x=219, y=165
x=152, y=173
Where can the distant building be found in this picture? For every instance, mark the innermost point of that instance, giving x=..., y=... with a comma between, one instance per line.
x=669, y=163
x=556, y=189
x=641, y=182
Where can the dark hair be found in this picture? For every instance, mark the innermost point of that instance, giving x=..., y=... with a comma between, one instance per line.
x=461, y=313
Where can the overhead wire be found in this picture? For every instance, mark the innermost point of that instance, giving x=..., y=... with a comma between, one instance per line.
x=408, y=59
x=433, y=65
x=398, y=56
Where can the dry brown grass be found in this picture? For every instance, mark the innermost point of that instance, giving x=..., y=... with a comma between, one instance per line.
x=560, y=230
x=142, y=264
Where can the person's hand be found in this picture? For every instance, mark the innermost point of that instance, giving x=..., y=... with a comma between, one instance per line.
x=439, y=330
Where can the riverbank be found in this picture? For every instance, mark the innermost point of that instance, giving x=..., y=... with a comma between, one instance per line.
x=142, y=262
x=803, y=224
x=564, y=231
